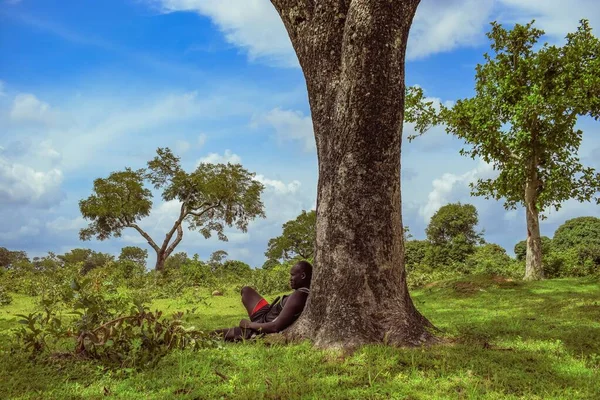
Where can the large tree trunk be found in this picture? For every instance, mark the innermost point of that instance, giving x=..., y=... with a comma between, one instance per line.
x=352, y=54
x=533, y=261
x=160, y=261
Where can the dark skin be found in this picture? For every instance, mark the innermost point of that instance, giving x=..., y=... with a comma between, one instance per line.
x=293, y=306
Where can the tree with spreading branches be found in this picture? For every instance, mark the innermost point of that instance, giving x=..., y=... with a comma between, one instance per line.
x=211, y=197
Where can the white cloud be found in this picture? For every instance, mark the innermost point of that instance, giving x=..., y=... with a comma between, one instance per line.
x=443, y=25
x=279, y=187
x=290, y=125
x=252, y=25
x=28, y=108
x=227, y=157
x=556, y=17
x=30, y=229
x=438, y=26
x=63, y=224
x=22, y=185
x=444, y=188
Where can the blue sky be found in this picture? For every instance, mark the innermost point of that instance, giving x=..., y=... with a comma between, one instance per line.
x=89, y=87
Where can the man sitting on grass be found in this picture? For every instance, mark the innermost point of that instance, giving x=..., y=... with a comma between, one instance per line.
x=271, y=318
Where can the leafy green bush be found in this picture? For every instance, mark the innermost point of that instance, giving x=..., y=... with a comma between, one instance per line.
x=273, y=280
x=575, y=262
x=5, y=298
x=576, y=232
x=492, y=259
x=110, y=326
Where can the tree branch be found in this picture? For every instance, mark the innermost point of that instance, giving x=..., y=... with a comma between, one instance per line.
x=196, y=214
x=176, y=227
x=145, y=235
x=176, y=242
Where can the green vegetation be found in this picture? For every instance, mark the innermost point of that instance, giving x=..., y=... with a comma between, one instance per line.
x=212, y=197
x=297, y=239
x=502, y=340
x=522, y=120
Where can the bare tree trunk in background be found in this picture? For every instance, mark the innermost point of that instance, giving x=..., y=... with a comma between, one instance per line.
x=352, y=54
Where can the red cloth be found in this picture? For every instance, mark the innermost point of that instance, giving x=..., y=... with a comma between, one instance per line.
x=260, y=305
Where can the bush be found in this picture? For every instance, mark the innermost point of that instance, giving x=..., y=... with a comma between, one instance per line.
x=273, y=280
x=492, y=259
x=577, y=232
x=111, y=327
x=575, y=262
x=5, y=298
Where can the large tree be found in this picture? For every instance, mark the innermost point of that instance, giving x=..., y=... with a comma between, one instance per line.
x=352, y=54
x=296, y=240
x=522, y=120
x=211, y=197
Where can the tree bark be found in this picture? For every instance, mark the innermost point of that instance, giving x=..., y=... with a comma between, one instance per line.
x=533, y=261
x=352, y=54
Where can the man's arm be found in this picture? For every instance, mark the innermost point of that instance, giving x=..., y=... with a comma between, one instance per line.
x=293, y=306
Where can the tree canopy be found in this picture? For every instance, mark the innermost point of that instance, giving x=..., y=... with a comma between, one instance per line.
x=297, y=240
x=452, y=231
x=578, y=232
x=211, y=197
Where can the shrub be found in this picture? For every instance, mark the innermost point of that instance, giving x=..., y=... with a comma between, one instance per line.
x=492, y=259
x=5, y=298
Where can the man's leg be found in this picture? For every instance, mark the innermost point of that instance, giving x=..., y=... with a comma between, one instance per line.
x=250, y=298
x=233, y=334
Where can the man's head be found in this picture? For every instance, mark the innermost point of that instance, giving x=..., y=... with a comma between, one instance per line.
x=300, y=275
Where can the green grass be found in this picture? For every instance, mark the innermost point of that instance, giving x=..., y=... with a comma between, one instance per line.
x=505, y=340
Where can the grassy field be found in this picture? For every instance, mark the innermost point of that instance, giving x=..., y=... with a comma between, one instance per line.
x=504, y=340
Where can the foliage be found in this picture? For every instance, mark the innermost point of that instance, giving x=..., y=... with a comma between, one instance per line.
x=39, y=330
x=522, y=118
x=9, y=258
x=522, y=121
x=5, y=297
x=212, y=197
x=415, y=252
x=134, y=254
x=582, y=231
x=521, y=248
x=271, y=281
x=110, y=327
x=297, y=239
x=89, y=258
x=492, y=259
x=451, y=232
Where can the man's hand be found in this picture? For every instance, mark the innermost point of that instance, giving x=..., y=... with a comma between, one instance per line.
x=245, y=324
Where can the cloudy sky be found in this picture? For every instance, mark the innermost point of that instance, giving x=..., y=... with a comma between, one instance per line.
x=90, y=87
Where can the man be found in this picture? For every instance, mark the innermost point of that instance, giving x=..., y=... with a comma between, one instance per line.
x=271, y=318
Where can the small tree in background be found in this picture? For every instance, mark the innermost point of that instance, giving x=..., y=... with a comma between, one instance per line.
x=451, y=233
x=522, y=120
x=134, y=254
x=211, y=197
x=297, y=240
x=9, y=258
